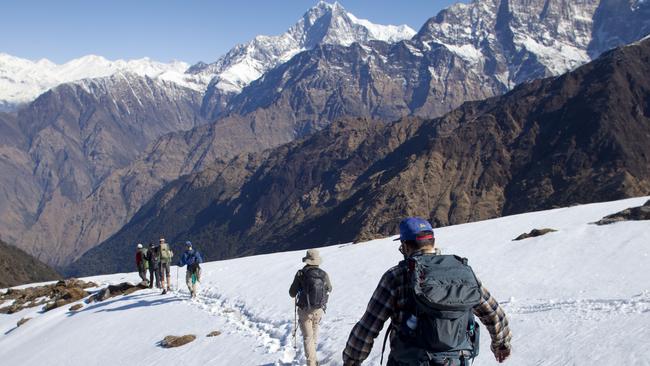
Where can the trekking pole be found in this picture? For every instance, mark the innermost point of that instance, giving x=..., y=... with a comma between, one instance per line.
x=295, y=321
x=177, y=268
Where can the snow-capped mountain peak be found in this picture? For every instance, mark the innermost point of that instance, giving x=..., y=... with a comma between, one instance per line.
x=325, y=23
x=22, y=80
x=555, y=36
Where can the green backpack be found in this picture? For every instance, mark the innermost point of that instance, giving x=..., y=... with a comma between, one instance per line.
x=438, y=320
x=166, y=253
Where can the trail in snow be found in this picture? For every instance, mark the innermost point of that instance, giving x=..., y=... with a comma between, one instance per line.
x=584, y=308
x=274, y=336
x=578, y=296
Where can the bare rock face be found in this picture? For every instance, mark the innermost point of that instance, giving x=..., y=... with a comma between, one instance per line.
x=177, y=341
x=581, y=137
x=68, y=141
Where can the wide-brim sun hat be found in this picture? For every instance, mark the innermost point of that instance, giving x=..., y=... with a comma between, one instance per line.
x=312, y=257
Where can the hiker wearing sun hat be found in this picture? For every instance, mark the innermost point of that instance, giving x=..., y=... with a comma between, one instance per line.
x=431, y=300
x=310, y=287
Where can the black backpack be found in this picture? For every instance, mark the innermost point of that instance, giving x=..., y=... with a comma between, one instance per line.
x=443, y=291
x=313, y=292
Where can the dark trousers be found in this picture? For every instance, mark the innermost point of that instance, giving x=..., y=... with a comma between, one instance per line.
x=143, y=273
x=154, y=271
x=437, y=362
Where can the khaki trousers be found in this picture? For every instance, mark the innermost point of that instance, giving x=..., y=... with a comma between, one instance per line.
x=309, y=321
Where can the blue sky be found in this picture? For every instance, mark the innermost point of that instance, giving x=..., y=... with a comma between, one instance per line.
x=189, y=30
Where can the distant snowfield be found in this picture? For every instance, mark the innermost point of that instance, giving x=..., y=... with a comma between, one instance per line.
x=22, y=80
x=579, y=296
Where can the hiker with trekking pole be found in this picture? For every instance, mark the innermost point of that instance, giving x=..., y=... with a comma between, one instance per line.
x=311, y=288
x=431, y=300
x=192, y=258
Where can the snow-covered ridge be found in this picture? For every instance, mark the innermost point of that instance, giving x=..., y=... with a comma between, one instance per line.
x=572, y=297
x=325, y=23
x=556, y=33
x=22, y=80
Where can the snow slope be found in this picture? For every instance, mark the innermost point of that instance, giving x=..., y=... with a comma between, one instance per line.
x=579, y=296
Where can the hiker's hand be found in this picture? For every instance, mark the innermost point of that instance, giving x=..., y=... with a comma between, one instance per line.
x=501, y=353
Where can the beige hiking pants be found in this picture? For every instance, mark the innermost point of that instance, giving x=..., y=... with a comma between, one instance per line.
x=309, y=321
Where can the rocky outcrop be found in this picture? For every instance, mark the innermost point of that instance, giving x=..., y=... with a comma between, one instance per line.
x=177, y=341
x=18, y=267
x=67, y=142
x=534, y=233
x=22, y=321
x=581, y=137
x=123, y=288
x=51, y=296
x=629, y=214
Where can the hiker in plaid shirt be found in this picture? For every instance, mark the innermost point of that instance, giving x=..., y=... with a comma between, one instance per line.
x=390, y=300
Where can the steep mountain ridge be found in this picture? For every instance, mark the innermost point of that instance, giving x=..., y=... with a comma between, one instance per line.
x=324, y=23
x=426, y=77
x=22, y=81
x=73, y=137
x=580, y=137
x=18, y=267
x=467, y=52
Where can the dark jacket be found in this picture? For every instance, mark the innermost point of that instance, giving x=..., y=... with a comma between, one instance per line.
x=153, y=256
x=296, y=285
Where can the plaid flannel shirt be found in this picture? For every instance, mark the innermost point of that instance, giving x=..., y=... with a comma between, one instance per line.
x=391, y=295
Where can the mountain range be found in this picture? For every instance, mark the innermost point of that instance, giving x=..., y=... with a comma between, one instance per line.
x=580, y=137
x=274, y=90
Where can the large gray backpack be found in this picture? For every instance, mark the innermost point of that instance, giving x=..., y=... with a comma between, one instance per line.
x=313, y=292
x=443, y=291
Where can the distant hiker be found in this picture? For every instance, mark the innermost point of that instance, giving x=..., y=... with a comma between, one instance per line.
x=142, y=263
x=311, y=285
x=193, y=259
x=153, y=257
x=431, y=301
x=166, y=255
